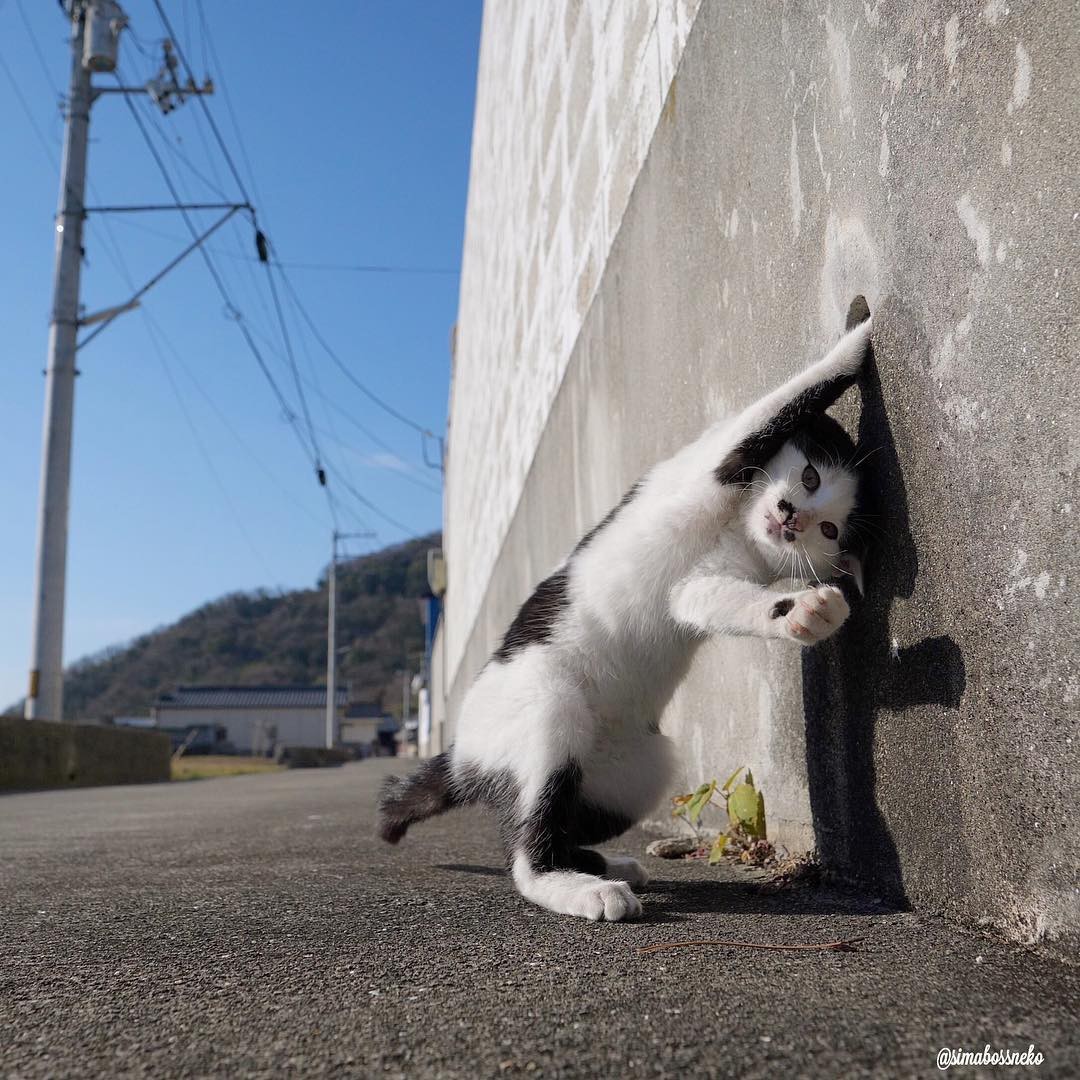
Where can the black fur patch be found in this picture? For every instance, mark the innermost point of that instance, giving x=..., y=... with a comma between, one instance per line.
x=740, y=464
x=608, y=518
x=553, y=835
x=781, y=608
x=535, y=620
x=595, y=825
x=858, y=312
x=824, y=441
x=548, y=835
x=586, y=862
x=403, y=801
x=562, y=821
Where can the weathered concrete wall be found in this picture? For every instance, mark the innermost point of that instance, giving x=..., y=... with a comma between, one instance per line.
x=925, y=156
x=40, y=754
x=568, y=96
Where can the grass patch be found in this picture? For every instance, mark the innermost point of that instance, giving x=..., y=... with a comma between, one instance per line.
x=207, y=766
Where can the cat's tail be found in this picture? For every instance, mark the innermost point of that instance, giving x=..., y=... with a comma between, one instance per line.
x=405, y=800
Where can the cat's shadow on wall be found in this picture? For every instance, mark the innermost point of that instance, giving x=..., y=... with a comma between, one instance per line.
x=849, y=679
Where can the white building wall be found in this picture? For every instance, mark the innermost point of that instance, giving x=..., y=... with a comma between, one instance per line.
x=290, y=727
x=569, y=93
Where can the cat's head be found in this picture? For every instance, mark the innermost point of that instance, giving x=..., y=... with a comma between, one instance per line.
x=804, y=506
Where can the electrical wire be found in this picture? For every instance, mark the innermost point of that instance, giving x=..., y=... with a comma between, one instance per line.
x=370, y=268
x=205, y=108
x=422, y=430
x=228, y=424
x=245, y=329
x=208, y=43
x=404, y=472
x=205, y=454
x=365, y=501
x=230, y=307
x=264, y=255
x=49, y=151
x=36, y=46
x=261, y=240
x=347, y=371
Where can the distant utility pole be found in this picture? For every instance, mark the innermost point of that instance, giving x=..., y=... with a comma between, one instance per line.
x=95, y=40
x=331, y=630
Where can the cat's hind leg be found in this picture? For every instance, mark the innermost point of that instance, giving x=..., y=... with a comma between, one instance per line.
x=597, y=826
x=549, y=868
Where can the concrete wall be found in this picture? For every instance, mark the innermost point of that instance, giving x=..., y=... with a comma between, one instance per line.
x=568, y=95
x=925, y=156
x=40, y=754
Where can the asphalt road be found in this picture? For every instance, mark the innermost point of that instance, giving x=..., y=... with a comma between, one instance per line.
x=253, y=926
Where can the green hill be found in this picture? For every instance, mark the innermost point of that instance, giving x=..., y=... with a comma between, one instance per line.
x=250, y=638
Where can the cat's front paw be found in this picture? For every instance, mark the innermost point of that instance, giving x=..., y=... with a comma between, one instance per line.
x=611, y=901
x=812, y=615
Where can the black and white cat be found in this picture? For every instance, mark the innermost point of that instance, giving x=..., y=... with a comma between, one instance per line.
x=560, y=731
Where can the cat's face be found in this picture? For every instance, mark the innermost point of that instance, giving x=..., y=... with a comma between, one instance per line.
x=799, y=515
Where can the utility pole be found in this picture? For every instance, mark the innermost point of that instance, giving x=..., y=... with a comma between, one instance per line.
x=331, y=631
x=95, y=40
x=45, y=697
x=331, y=643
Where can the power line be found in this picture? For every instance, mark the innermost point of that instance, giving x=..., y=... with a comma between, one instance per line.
x=260, y=240
x=404, y=473
x=189, y=164
x=208, y=41
x=228, y=424
x=363, y=499
x=50, y=153
x=205, y=454
x=230, y=307
x=349, y=418
x=347, y=372
x=423, y=431
x=288, y=264
x=36, y=47
x=371, y=268
x=264, y=256
x=205, y=108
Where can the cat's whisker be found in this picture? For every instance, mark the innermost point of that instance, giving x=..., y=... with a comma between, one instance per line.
x=758, y=468
x=868, y=454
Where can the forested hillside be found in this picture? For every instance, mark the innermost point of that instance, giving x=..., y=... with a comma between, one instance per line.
x=249, y=638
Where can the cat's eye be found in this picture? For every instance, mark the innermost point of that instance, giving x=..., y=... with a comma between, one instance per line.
x=829, y=530
x=810, y=479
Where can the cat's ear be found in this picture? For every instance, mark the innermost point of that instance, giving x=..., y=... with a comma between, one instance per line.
x=851, y=563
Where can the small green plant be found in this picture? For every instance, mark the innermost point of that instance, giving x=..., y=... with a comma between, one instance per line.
x=746, y=835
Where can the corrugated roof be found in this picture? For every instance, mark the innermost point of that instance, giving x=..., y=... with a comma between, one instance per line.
x=249, y=697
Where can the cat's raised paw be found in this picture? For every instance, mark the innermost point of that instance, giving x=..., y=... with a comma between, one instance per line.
x=815, y=614
x=623, y=868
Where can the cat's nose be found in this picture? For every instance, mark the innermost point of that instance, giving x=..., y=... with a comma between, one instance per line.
x=785, y=508
x=789, y=536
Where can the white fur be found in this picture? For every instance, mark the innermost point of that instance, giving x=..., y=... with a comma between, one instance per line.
x=567, y=892
x=686, y=557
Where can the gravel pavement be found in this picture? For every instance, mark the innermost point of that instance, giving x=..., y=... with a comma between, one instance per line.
x=253, y=926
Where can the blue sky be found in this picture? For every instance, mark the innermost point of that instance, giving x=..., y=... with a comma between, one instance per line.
x=187, y=480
